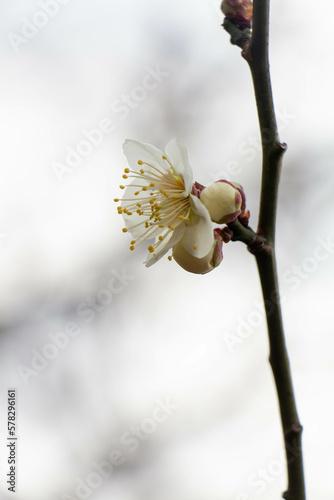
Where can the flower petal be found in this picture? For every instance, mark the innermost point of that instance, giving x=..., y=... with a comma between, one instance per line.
x=135, y=151
x=192, y=264
x=178, y=156
x=173, y=240
x=189, y=262
x=205, y=264
x=198, y=236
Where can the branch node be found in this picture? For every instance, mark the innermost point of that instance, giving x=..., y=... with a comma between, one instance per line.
x=295, y=429
x=246, y=52
x=258, y=244
x=278, y=150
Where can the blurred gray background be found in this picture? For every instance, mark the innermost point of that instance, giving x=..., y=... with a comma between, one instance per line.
x=162, y=372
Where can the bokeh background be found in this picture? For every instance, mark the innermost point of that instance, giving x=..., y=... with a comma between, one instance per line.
x=120, y=341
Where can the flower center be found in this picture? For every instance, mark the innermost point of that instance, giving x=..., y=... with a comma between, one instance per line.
x=158, y=206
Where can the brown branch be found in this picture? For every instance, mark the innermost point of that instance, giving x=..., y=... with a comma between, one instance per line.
x=262, y=243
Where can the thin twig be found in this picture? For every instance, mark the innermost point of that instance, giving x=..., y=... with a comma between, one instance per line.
x=262, y=243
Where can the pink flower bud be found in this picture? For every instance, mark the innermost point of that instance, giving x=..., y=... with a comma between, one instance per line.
x=239, y=11
x=223, y=201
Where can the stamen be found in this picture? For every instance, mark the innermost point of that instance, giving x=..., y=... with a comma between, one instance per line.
x=169, y=163
x=195, y=244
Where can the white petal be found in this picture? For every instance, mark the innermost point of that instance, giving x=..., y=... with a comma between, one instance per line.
x=135, y=150
x=178, y=156
x=173, y=240
x=191, y=263
x=199, y=232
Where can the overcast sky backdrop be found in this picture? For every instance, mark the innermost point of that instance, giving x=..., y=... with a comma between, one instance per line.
x=151, y=71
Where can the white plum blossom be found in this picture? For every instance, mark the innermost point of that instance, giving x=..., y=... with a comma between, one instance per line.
x=159, y=204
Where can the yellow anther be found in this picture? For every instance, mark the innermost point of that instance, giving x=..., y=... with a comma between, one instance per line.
x=140, y=162
x=122, y=187
x=136, y=193
x=164, y=157
x=150, y=249
x=129, y=213
x=126, y=170
x=138, y=205
x=169, y=257
x=133, y=242
x=124, y=230
x=171, y=227
x=144, y=188
x=132, y=247
x=142, y=171
x=116, y=199
x=181, y=217
x=146, y=224
x=152, y=184
x=195, y=247
x=161, y=225
x=124, y=176
x=160, y=238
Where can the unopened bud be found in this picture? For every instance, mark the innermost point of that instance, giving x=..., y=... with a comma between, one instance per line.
x=223, y=201
x=238, y=11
